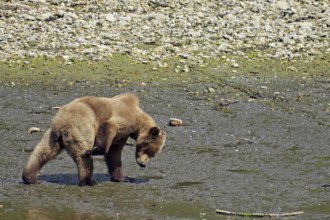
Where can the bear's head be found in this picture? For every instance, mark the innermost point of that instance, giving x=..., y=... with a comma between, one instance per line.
x=148, y=144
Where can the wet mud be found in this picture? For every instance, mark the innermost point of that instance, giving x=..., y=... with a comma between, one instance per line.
x=247, y=144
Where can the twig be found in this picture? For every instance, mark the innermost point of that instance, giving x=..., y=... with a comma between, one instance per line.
x=247, y=214
x=54, y=107
x=225, y=102
x=249, y=140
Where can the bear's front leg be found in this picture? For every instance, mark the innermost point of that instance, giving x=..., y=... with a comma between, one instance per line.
x=103, y=140
x=84, y=165
x=85, y=171
x=113, y=160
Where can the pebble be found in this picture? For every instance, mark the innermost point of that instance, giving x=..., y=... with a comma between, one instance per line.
x=211, y=90
x=185, y=56
x=175, y=122
x=235, y=65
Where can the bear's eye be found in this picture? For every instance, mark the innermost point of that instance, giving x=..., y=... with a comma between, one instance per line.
x=141, y=146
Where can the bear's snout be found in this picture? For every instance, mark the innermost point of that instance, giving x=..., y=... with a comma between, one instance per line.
x=142, y=160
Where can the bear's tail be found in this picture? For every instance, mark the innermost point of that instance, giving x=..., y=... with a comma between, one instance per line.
x=57, y=137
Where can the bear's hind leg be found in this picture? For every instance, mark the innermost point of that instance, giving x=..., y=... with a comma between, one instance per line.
x=47, y=149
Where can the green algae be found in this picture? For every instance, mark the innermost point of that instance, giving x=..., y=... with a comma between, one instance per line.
x=122, y=69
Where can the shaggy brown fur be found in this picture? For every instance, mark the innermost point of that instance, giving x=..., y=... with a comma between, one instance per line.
x=97, y=126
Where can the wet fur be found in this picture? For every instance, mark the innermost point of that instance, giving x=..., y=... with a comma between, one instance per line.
x=97, y=126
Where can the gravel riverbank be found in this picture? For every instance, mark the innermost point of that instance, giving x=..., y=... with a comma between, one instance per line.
x=151, y=31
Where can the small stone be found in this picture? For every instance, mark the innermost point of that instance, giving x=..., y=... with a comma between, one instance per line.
x=235, y=65
x=282, y=5
x=28, y=17
x=186, y=69
x=160, y=17
x=175, y=122
x=211, y=90
x=292, y=68
x=110, y=17
x=184, y=56
x=66, y=57
x=158, y=3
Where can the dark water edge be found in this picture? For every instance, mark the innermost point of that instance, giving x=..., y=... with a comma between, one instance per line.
x=250, y=142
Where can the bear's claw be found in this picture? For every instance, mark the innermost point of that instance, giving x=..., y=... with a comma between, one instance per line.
x=96, y=151
x=26, y=181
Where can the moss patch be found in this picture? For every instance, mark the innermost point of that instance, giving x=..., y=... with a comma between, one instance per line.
x=121, y=68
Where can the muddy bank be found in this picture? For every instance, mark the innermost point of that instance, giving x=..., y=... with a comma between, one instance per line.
x=254, y=140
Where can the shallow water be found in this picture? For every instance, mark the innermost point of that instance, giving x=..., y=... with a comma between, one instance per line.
x=257, y=155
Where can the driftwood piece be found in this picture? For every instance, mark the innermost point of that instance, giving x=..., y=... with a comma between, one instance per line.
x=54, y=107
x=225, y=102
x=34, y=129
x=247, y=214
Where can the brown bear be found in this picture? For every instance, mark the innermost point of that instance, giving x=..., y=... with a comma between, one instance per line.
x=97, y=126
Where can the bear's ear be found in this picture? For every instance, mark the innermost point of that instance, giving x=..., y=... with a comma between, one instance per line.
x=154, y=132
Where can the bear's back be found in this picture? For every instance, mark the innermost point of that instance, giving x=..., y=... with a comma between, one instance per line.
x=129, y=99
x=90, y=110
